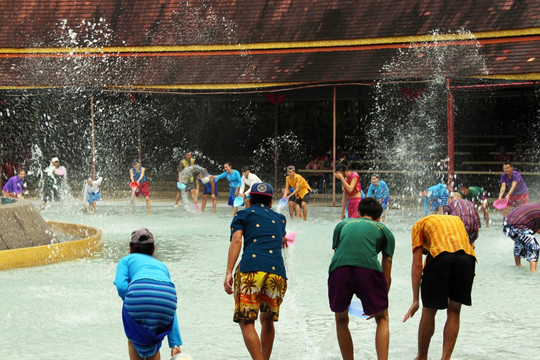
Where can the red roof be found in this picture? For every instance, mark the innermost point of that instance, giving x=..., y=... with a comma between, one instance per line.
x=257, y=44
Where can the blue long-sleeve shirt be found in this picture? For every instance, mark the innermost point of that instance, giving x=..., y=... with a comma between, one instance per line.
x=380, y=191
x=234, y=178
x=138, y=266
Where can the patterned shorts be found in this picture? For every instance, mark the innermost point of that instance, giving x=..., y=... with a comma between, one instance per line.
x=525, y=245
x=257, y=290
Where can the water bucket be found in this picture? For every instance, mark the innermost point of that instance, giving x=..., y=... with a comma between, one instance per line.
x=357, y=310
x=290, y=238
x=238, y=201
x=181, y=356
x=500, y=203
x=180, y=185
x=133, y=185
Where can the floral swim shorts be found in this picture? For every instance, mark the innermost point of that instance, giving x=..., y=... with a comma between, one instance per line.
x=257, y=290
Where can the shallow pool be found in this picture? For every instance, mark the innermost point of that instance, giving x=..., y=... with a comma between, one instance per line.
x=71, y=310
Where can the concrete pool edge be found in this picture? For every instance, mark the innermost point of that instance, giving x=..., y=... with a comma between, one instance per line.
x=90, y=244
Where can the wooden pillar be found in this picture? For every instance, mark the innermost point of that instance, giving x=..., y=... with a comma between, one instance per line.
x=450, y=130
x=334, y=148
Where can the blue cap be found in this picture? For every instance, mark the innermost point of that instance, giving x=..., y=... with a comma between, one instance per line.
x=262, y=189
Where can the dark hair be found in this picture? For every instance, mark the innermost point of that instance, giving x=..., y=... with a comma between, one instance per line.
x=370, y=207
x=375, y=175
x=341, y=167
x=260, y=199
x=196, y=173
x=228, y=163
x=508, y=163
x=147, y=248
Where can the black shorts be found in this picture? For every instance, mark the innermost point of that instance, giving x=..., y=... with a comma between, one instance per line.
x=50, y=193
x=305, y=199
x=447, y=276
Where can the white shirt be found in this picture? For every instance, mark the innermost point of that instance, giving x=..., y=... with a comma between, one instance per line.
x=250, y=180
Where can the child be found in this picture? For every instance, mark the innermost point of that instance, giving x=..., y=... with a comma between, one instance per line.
x=149, y=310
x=91, y=193
x=137, y=175
x=210, y=188
x=355, y=269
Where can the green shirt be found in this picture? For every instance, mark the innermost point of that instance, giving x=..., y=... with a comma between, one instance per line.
x=475, y=193
x=358, y=242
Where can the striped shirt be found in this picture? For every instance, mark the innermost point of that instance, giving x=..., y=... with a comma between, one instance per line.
x=467, y=213
x=525, y=216
x=440, y=233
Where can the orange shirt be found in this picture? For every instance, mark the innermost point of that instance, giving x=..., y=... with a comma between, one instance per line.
x=440, y=233
x=298, y=182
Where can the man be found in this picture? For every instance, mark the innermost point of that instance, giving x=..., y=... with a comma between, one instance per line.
x=438, y=194
x=379, y=190
x=521, y=224
x=518, y=193
x=478, y=196
x=234, y=178
x=352, y=190
x=186, y=162
x=466, y=211
x=446, y=279
x=300, y=195
x=355, y=269
x=54, y=183
x=13, y=188
x=210, y=188
x=248, y=179
x=260, y=281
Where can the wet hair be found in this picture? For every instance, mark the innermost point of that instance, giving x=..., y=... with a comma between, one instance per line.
x=375, y=175
x=196, y=173
x=508, y=163
x=147, y=249
x=142, y=242
x=370, y=207
x=341, y=167
x=259, y=199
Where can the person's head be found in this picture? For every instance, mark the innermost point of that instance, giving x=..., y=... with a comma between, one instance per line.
x=90, y=181
x=448, y=210
x=55, y=161
x=227, y=167
x=136, y=163
x=508, y=168
x=375, y=179
x=21, y=174
x=371, y=208
x=261, y=193
x=187, y=156
x=142, y=241
x=197, y=174
x=464, y=190
x=342, y=168
x=291, y=170
x=245, y=171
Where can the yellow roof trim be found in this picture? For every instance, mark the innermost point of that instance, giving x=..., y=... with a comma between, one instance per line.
x=279, y=45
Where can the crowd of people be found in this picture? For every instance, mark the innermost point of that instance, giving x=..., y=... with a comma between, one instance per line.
x=443, y=253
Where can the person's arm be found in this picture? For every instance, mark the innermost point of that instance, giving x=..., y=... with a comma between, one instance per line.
x=121, y=279
x=196, y=191
x=131, y=175
x=512, y=188
x=142, y=174
x=174, y=337
x=503, y=189
x=234, y=251
x=343, y=205
x=387, y=269
x=416, y=278
x=349, y=187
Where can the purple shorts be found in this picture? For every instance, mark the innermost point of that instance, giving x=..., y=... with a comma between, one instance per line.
x=368, y=285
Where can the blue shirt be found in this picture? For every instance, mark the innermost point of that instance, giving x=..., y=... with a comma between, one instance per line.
x=263, y=231
x=208, y=185
x=437, y=191
x=137, y=175
x=138, y=266
x=234, y=178
x=380, y=191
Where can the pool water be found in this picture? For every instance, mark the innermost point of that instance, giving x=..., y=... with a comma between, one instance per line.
x=71, y=310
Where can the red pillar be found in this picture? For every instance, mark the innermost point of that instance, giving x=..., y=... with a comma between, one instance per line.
x=450, y=129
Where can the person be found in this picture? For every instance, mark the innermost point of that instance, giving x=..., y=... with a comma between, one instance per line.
x=520, y=225
x=150, y=300
x=518, y=192
x=92, y=193
x=316, y=178
x=355, y=269
x=352, y=190
x=234, y=178
x=186, y=162
x=446, y=279
x=466, y=211
x=137, y=174
x=210, y=188
x=379, y=190
x=478, y=196
x=439, y=195
x=300, y=195
x=260, y=280
x=503, y=156
x=248, y=179
x=55, y=176
x=13, y=188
